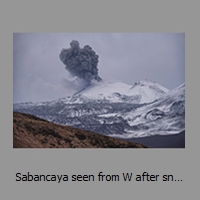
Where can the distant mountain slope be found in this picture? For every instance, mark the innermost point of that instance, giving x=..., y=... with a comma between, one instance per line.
x=162, y=141
x=32, y=132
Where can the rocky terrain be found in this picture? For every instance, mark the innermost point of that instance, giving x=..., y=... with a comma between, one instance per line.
x=32, y=132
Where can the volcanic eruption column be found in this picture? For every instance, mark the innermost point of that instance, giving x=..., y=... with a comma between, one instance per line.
x=81, y=62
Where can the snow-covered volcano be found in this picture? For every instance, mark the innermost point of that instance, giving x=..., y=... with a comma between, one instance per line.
x=118, y=92
x=117, y=109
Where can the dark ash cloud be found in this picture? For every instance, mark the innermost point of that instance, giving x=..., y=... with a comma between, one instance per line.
x=81, y=62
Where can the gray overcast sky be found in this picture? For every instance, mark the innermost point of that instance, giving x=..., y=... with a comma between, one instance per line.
x=129, y=57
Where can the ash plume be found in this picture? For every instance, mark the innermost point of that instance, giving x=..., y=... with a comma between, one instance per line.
x=81, y=62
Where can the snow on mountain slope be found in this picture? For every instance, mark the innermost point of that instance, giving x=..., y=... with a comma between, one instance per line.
x=166, y=115
x=117, y=109
x=106, y=91
x=116, y=91
x=147, y=90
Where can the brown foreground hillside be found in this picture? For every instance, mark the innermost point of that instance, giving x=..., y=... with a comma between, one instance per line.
x=32, y=132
